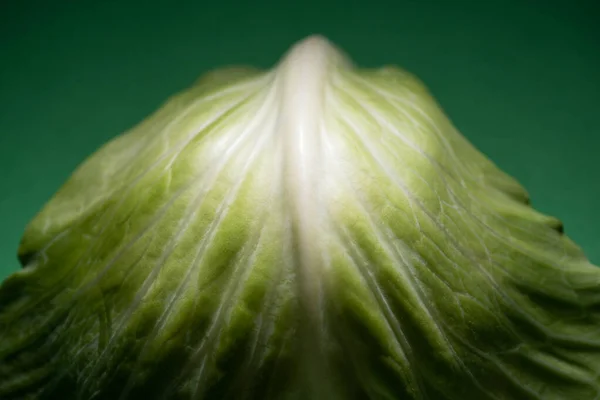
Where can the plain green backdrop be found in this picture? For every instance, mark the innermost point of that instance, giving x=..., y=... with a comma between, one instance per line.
x=520, y=79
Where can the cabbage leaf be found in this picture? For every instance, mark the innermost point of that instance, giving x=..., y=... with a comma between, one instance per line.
x=313, y=231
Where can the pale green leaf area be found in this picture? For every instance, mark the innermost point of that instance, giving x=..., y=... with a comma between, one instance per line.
x=315, y=231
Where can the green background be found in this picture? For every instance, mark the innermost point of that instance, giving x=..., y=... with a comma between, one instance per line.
x=520, y=79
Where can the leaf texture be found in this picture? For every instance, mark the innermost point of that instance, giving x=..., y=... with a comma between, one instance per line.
x=315, y=231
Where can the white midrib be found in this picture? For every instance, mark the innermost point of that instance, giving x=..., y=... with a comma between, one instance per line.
x=302, y=78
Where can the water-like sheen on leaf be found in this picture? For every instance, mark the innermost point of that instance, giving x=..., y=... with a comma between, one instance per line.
x=314, y=231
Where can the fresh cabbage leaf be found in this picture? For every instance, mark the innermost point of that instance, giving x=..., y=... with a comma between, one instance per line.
x=314, y=231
